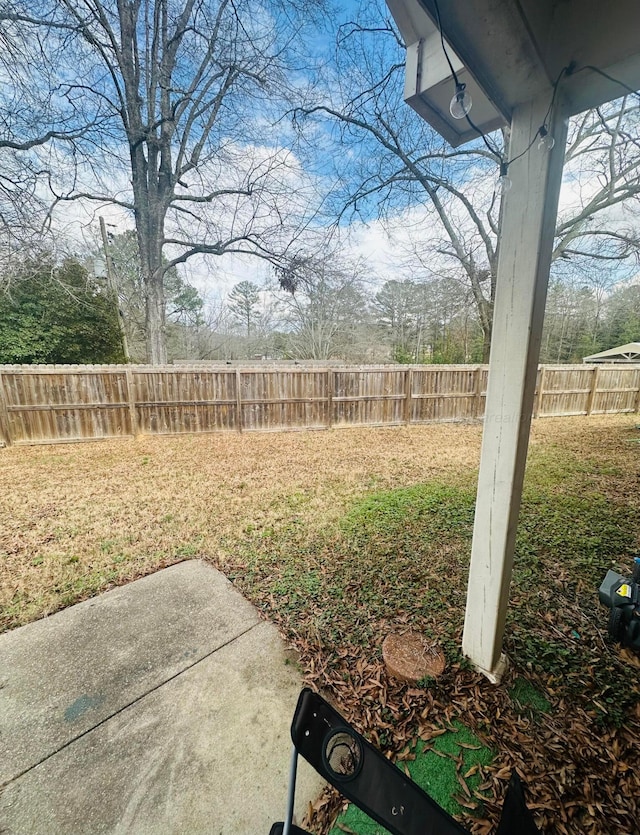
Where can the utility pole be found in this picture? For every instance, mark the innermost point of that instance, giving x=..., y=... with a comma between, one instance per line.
x=113, y=290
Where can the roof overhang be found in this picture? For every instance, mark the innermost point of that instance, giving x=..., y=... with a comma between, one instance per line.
x=623, y=353
x=508, y=52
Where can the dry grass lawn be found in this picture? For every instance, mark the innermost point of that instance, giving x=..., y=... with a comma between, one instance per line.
x=78, y=518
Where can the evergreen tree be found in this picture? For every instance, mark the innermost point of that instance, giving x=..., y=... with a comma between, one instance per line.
x=244, y=303
x=57, y=314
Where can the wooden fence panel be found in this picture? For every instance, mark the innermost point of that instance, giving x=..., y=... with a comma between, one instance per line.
x=371, y=396
x=617, y=390
x=65, y=404
x=445, y=393
x=52, y=404
x=566, y=391
x=284, y=399
x=173, y=401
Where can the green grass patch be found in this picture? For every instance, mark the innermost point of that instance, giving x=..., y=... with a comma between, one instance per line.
x=437, y=775
x=526, y=696
x=386, y=557
x=435, y=770
x=394, y=516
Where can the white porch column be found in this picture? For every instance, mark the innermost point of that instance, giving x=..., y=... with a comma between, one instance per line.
x=528, y=225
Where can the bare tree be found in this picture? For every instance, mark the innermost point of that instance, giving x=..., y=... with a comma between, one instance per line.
x=36, y=118
x=171, y=90
x=324, y=305
x=401, y=161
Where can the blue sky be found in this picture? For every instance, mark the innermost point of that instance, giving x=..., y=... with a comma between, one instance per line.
x=322, y=162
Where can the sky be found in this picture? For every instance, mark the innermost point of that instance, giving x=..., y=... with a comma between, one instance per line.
x=384, y=246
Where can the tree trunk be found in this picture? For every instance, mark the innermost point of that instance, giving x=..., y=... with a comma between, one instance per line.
x=150, y=154
x=486, y=342
x=156, y=342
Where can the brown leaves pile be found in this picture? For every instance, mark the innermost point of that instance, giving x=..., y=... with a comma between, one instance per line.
x=579, y=778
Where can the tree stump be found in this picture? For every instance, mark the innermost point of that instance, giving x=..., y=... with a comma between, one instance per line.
x=411, y=656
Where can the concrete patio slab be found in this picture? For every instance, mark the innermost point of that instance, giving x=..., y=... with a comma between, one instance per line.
x=163, y=706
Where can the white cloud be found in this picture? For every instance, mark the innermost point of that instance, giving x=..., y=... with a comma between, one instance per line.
x=386, y=249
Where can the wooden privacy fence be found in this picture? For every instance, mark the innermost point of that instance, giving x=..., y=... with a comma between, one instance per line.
x=54, y=404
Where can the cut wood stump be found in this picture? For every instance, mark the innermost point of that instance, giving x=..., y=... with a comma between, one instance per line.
x=411, y=656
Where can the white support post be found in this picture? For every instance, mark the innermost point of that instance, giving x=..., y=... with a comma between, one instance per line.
x=528, y=225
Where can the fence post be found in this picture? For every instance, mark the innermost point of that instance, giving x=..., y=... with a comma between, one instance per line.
x=477, y=391
x=594, y=388
x=329, y=398
x=408, y=392
x=538, y=408
x=637, y=403
x=238, y=402
x=4, y=415
x=131, y=398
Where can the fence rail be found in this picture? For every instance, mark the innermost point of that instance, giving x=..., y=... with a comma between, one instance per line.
x=57, y=404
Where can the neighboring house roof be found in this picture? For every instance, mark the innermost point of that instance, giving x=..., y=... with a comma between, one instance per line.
x=624, y=353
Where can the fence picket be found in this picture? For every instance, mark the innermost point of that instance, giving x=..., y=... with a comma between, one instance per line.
x=5, y=433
